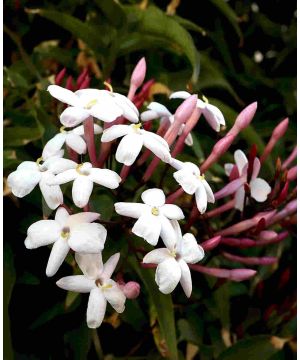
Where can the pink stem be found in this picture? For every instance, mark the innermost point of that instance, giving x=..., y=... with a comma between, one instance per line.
x=266, y=260
x=171, y=198
x=234, y=274
x=290, y=159
x=72, y=154
x=211, y=243
x=219, y=210
x=124, y=172
x=90, y=139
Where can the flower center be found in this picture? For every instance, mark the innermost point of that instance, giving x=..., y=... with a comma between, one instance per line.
x=99, y=284
x=80, y=171
x=136, y=127
x=39, y=160
x=173, y=253
x=62, y=129
x=65, y=233
x=90, y=104
x=155, y=211
x=201, y=177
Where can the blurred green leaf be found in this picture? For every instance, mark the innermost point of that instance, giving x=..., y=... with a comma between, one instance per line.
x=78, y=342
x=113, y=12
x=20, y=136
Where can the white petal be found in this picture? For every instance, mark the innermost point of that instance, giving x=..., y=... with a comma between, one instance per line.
x=105, y=177
x=130, y=111
x=186, y=180
x=186, y=279
x=167, y=275
x=157, y=256
x=148, y=227
x=228, y=167
x=155, y=146
x=61, y=216
x=84, y=217
x=86, y=95
x=79, y=130
x=114, y=295
x=64, y=95
x=240, y=160
x=209, y=193
x=76, y=283
x=73, y=116
x=96, y=309
x=57, y=256
x=189, y=140
x=110, y=266
x=114, y=132
x=213, y=116
x=259, y=189
x=239, y=198
x=81, y=190
x=52, y=194
x=133, y=210
x=64, y=177
x=90, y=264
x=156, y=138
x=153, y=197
x=256, y=168
x=129, y=149
x=43, y=232
x=168, y=233
x=180, y=95
x=190, y=251
x=57, y=165
x=53, y=145
x=76, y=143
x=87, y=238
x=172, y=212
x=149, y=115
x=160, y=109
x=201, y=198
x=106, y=111
x=23, y=181
x=28, y=165
x=176, y=164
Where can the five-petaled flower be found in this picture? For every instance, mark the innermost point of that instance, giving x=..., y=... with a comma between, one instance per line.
x=173, y=262
x=157, y=110
x=192, y=182
x=212, y=114
x=101, y=104
x=84, y=177
x=133, y=141
x=64, y=232
x=259, y=188
x=30, y=173
x=96, y=280
x=153, y=217
x=73, y=138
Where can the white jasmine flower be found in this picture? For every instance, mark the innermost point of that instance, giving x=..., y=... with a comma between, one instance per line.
x=73, y=138
x=259, y=188
x=84, y=177
x=192, y=182
x=212, y=114
x=29, y=173
x=157, y=110
x=101, y=104
x=173, y=263
x=64, y=232
x=133, y=140
x=153, y=217
x=96, y=280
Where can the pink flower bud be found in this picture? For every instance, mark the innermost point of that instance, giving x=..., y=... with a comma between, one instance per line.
x=81, y=77
x=185, y=110
x=266, y=260
x=69, y=83
x=292, y=174
x=211, y=243
x=290, y=159
x=234, y=275
x=229, y=189
x=85, y=83
x=131, y=290
x=241, y=274
x=267, y=235
x=139, y=73
x=241, y=243
x=243, y=119
x=59, y=77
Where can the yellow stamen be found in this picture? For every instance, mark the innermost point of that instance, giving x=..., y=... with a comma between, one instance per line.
x=90, y=104
x=201, y=177
x=110, y=88
x=173, y=253
x=62, y=129
x=39, y=160
x=65, y=234
x=106, y=286
x=137, y=126
x=155, y=211
x=205, y=99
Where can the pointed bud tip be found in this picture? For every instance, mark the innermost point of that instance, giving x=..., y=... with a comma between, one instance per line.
x=242, y=274
x=139, y=73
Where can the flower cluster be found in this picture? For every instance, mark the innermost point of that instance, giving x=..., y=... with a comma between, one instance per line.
x=156, y=217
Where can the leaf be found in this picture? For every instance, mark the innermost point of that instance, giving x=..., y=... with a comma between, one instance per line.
x=78, y=342
x=189, y=25
x=20, y=135
x=155, y=23
x=256, y=347
x=113, y=12
x=188, y=332
x=229, y=14
x=48, y=315
x=163, y=306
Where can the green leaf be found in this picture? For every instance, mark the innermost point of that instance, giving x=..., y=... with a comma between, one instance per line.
x=163, y=306
x=256, y=347
x=155, y=23
x=189, y=25
x=79, y=342
x=113, y=12
x=48, y=315
x=20, y=135
x=229, y=14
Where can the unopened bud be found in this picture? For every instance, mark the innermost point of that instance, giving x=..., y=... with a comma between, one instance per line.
x=139, y=73
x=131, y=290
x=69, y=83
x=59, y=77
x=243, y=119
x=185, y=109
x=211, y=243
